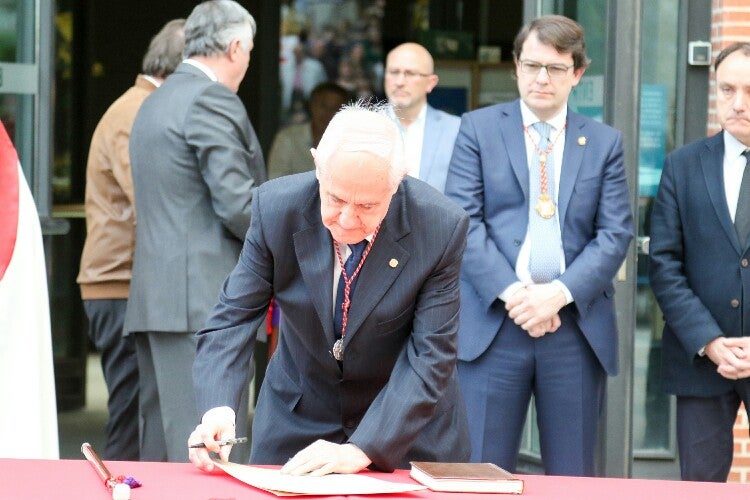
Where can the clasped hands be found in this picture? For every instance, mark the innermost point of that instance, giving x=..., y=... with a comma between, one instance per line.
x=535, y=308
x=318, y=459
x=731, y=355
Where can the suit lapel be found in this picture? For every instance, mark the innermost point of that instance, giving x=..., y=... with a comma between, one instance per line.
x=314, y=249
x=378, y=274
x=712, y=164
x=571, y=163
x=511, y=130
x=430, y=143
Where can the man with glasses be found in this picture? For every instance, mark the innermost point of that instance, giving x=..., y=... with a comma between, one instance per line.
x=550, y=223
x=428, y=133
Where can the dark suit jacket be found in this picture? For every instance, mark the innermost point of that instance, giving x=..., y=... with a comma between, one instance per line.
x=195, y=163
x=698, y=268
x=489, y=177
x=397, y=397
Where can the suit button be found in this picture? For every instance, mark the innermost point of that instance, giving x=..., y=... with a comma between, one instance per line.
x=744, y=262
x=350, y=423
x=735, y=303
x=516, y=242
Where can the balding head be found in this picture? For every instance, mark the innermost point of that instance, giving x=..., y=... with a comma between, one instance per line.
x=409, y=77
x=414, y=53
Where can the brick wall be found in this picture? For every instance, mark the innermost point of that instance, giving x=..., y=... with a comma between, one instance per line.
x=740, y=472
x=730, y=22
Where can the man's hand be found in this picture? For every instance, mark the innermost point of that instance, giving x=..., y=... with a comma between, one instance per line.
x=534, y=308
x=323, y=457
x=731, y=355
x=216, y=424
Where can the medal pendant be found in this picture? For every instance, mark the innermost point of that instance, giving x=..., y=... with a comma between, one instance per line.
x=338, y=350
x=545, y=207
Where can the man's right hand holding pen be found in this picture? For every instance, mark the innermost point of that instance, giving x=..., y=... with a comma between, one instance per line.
x=216, y=425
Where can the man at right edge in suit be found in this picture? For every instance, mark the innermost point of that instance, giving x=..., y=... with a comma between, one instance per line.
x=700, y=275
x=550, y=222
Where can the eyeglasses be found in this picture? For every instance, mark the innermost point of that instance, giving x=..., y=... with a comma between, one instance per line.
x=408, y=74
x=553, y=70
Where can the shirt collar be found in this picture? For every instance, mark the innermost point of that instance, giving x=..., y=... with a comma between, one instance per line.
x=208, y=71
x=418, y=121
x=732, y=147
x=156, y=83
x=529, y=118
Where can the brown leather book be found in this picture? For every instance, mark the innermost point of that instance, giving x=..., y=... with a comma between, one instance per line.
x=466, y=477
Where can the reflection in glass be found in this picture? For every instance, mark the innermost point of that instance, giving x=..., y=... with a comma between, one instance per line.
x=17, y=31
x=329, y=40
x=651, y=406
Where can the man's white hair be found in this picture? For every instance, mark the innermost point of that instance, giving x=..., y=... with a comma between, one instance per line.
x=363, y=127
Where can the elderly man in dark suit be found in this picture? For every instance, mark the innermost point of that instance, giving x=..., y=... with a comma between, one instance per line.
x=371, y=380
x=700, y=275
x=547, y=196
x=195, y=163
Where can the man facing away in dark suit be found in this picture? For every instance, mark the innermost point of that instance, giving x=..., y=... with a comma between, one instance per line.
x=550, y=222
x=364, y=371
x=428, y=133
x=196, y=162
x=701, y=278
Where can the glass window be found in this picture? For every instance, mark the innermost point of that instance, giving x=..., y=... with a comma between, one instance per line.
x=329, y=40
x=651, y=406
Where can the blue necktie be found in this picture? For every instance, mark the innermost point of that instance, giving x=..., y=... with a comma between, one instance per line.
x=742, y=215
x=350, y=265
x=544, y=234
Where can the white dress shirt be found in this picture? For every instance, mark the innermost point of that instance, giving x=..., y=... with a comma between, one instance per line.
x=413, y=137
x=557, y=123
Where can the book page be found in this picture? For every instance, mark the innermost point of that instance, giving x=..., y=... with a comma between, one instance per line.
x=273, y=481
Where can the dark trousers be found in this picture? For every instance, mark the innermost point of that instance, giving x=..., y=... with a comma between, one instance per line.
x=705, y=433
x=120, y=367
x=567, y=381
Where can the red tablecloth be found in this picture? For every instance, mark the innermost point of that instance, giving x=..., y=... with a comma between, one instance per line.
x=76, y=480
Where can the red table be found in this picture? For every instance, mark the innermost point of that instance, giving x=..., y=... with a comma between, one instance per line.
x=76, y=480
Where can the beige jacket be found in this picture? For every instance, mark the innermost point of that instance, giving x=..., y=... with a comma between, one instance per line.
x=107, y=258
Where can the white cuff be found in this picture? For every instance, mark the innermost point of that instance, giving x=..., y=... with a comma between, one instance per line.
x=219, y=414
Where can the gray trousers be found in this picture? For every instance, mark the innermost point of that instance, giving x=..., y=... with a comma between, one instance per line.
x=168, y=412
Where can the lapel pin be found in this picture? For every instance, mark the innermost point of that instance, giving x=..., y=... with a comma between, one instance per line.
x=393, y=263
x=582, y=141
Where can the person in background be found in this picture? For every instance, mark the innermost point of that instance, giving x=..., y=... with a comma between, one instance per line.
x=28, y=420
x=700, y=276
x=550, y=223
x=107, y=258
x=299, y=75
x=364, y=265
x=196, y=163
x=429, y=134
x=290, y=152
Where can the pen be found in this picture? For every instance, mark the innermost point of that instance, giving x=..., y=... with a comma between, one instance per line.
x=222, y=442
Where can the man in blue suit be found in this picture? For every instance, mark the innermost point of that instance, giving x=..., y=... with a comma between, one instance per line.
x=370, y=381
x=429, y=134
x=701, y=278
x=550, y=223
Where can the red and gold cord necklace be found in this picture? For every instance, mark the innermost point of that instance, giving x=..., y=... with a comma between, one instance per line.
x=338, y=346
x=544, y=206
